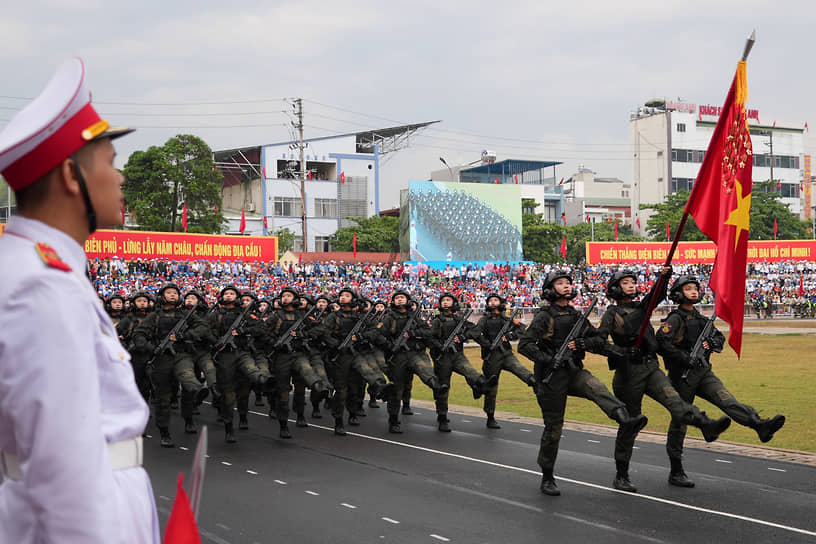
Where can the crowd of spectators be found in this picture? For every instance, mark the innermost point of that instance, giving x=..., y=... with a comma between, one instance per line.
x=774, y=286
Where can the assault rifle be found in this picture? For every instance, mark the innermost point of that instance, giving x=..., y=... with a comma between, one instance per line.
x=561, y=356
x=354, y=330
x=227, y=338
x=497, y=341
x=167, y=344
x=697, y=356
x=452, y=337
x=399, y=344
x=285, y=340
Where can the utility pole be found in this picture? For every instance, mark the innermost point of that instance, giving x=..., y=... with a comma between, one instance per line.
x=298, y=104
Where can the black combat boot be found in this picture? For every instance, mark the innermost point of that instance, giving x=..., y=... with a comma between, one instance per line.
x=765, y=428
x=548, y=486
x=301, y=419
x=437, y=386
x=491, y=422
x=394, y=425
x=622, y=481
x=353, y=421
x=243, y=422
x=339, y=429
x=272, y=413
x=712, y=428
x=628, y=424
x=406, y=409
x=259, y=400
x=531, y=381
x=319, y=391
x=166, y=441
x=201, y=395
x=372, y=402
x=382, y=390
x=229, y=433
x=284, y=429
x=316, y=410
x=677, y=476
x=443, y=421
x=189, y=426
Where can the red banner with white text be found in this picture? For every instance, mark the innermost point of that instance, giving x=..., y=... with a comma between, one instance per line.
x=696, y=252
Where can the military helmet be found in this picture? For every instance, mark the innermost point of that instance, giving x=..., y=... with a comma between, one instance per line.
x=613, y=289
x=229, y=288
x=310, y=300
x=165, y=287
x=355, y=298
x=109, y=300
x=295, y=295
x=547, y=291
x=502, y=301
x=447, y=294
x=398, y=292
x=676, y=293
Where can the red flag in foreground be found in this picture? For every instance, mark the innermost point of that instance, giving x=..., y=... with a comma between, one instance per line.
x=181, y=526
x=720, y=203
x=497, y=181
x=354, y=243
x=564, y=247
x=184, y=218
x=242, y=226
x=515, y=178
x=802, y=285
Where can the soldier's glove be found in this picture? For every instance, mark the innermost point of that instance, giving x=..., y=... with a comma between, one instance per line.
x=179, y=337
x=580, y=344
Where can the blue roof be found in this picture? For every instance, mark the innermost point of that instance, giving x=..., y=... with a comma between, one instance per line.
x=511, y=166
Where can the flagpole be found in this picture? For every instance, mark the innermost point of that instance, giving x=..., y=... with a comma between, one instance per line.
x=749, y=44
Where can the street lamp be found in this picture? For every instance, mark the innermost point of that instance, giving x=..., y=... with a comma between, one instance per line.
x=442, y=160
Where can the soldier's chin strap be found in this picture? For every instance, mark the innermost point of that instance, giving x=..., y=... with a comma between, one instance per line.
x=83, y=188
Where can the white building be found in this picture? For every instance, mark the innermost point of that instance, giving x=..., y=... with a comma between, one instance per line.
x=342, y=180
x=669, y=141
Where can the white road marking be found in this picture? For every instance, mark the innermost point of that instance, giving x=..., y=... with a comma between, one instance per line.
x=777, y=469
x=148, y=436
x=466, y=421
x=252, y=472
x=281, y=482
x=226, y=463
x=313, y=493
x=347, y=505
x=226, y=528
x=182, y=448
x=526, y=430
x=389, y=520
x=594, y=441
x=442, y=538
x=722, y=461
x=537, y=474
x=162, y=497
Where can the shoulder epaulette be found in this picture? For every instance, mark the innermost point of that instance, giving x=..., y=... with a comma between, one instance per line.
x=50, y=257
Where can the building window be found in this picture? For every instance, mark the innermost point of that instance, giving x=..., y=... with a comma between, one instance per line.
x=674, y=155
x=681, y=127
x=681, y=184
x=287, y=207
x=322, y=243
x=325, y=207
x=297, y=244
x=689, y=155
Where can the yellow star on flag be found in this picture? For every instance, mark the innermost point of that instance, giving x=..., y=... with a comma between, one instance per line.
x=740, y=216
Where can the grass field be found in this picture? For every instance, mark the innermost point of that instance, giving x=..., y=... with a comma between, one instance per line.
x=776, y=374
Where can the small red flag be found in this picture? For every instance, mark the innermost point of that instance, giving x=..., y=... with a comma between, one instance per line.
x=776, y=228
x=638, y=222
x=774, y=124
x=515, y=178
x=266, y=225
x=181, y=526
x=720, y=203
x=779, y=185
x=561, y=182
x=216, y=208
x=184, y=218
x=263, y=170
x=497, y=181
x=342, y=177
x=668, y=231
x=806, y=128
x=354, y=243
x=587, y=218
x=242, y=226
x=123, y=211
x=564, y=247
x=309, y=174
x=616, y=230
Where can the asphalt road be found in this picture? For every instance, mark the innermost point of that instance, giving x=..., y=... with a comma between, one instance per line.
x=473, y=485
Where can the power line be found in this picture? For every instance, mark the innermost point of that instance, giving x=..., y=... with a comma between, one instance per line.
x=186, y=103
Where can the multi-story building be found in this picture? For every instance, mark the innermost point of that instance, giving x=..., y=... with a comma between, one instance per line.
x=669, y=140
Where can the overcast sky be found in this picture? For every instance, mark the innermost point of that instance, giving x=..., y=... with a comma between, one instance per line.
x=526, y=79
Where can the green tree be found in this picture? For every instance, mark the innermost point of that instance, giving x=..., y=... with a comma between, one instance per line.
x=286, y=239
x=376, y=234
x=672, y=210
x=161, y=179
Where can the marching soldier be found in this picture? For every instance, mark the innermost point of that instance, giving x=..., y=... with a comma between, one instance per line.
x=405, y=334
x=291, y=359
x=447, y=360
x=172, y=361
x=115, y=306
x=488, y=331
x=139, y=309
x=636, y=369
x=380, y=308
x=199, y=339
x=315, y=354
x=233, y=356
x=540, y=343
x=676, y=339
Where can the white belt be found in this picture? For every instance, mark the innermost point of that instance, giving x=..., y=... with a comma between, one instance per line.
x=123, y=454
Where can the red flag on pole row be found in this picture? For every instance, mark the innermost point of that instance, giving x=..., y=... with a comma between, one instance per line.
x=806, y=128
x=181, y=526
x=263, y=171
x=342, y=177
x=638, y=222
x=309, y=174
x=776, y=228
x=668, y=230
x=564, y=247
x=561, y=182
x=497, y=181
x=587, y=218
x=266, y=224
x=616, y=230
x=720, y=203
x=515, y=178
x=242, y=226
x=216, y=208
x=184, y=218
x=354, y=244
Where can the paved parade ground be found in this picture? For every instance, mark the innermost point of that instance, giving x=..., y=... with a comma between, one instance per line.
x=477, y=485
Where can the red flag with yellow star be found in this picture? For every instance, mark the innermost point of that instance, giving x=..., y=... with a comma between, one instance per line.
x=720, y=203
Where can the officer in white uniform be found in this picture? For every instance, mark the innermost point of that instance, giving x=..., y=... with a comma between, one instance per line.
x=71, y=416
